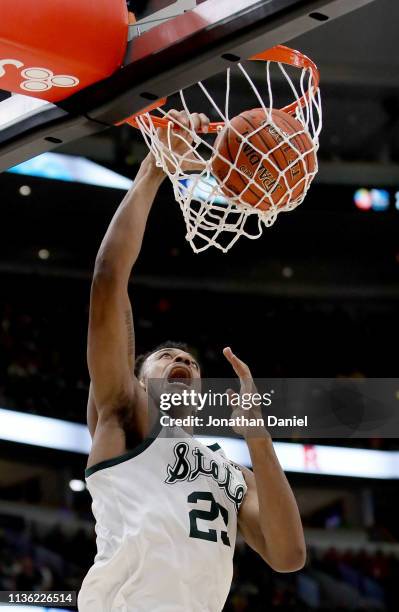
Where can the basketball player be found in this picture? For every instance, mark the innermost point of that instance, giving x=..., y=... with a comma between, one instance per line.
x=167, y=509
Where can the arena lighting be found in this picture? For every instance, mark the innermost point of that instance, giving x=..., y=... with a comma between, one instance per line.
x=321, y=459
x=377, y=200
x=203, y=189
x=25, y=190
x=72, y=169
x=77, y=485
x=303, y=458
x=43, y=254
x=43, y=431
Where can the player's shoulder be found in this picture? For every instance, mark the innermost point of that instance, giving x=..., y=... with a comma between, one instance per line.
x=130, y=452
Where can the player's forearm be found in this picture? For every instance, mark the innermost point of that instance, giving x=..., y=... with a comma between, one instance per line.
x=279, y=517
x=121, y=245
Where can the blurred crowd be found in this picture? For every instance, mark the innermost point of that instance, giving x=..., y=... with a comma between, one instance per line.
x=36, y=558
x=331, y=581
x=39, y=369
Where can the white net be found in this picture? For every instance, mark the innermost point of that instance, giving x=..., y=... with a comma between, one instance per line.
x=238, y=194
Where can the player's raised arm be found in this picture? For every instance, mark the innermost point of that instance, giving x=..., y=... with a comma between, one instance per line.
x=111, y=346
x=269, y=518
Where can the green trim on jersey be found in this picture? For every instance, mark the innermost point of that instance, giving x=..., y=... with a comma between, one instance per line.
x=102, y=465
x=214, y=447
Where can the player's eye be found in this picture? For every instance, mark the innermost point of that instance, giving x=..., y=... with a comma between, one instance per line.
x=165, y=355
x=195, y=365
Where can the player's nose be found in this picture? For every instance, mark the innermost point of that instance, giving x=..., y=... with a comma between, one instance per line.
x=182, y=359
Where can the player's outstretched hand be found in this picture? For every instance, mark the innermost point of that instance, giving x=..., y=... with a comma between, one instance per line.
x=241, y=369
x=179, y=140
x=247, y=391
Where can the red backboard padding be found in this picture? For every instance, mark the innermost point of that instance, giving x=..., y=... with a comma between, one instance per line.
x=51, y=49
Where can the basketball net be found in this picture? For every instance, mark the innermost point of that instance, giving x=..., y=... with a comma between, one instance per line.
x=213, y=214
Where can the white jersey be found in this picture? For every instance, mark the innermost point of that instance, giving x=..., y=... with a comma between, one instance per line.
x=166, y=525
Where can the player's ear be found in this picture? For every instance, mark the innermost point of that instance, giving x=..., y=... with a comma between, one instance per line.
x=143, y=382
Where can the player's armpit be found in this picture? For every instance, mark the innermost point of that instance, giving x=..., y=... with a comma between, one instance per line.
x=109, y=439
x=92, y=414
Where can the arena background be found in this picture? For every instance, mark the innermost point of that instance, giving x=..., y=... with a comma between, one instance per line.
x=317, y=295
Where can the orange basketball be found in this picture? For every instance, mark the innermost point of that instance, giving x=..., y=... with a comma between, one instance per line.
x=271, y=173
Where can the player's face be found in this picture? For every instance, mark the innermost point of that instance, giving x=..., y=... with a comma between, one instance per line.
x=172, y=364
x=172, y=370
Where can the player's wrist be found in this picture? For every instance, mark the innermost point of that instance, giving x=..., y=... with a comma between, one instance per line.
x=259, y=440
x=153, y=169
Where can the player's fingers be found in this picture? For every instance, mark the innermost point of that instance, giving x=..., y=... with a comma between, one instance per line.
x=231, y=358
x=239, y=367
x=195, y=120
x=184, y=119
x=172, y=114
x=179, y=117
x=205, y=121
x=230, y=394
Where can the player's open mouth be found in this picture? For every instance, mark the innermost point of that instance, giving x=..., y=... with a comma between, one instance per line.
x=180, y=375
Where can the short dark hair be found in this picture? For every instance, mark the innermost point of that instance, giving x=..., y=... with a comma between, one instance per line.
x=140, y=360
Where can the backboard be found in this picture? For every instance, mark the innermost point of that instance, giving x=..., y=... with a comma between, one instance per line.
x=171, y=46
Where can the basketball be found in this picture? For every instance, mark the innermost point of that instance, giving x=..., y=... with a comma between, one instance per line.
x=273, y=179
